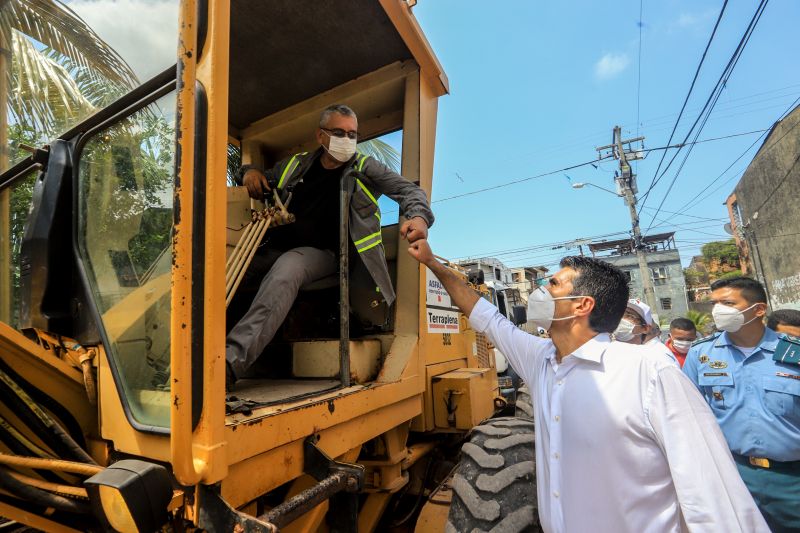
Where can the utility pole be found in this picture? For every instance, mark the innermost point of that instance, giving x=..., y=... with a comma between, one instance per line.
x=626, y=185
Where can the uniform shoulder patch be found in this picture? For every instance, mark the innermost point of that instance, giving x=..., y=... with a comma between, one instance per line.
x=706, y=339
x=789, y=338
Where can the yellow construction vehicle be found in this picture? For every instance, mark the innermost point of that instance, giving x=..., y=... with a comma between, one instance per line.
x=114, y=239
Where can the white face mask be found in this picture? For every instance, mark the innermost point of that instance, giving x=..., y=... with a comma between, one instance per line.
x=729, y=318
x=681, y=346
x=542, y=308
x=341, y=148
x=624, y=331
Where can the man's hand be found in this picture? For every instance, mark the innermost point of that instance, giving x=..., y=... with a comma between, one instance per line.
x=414, y=230
x=460, y=293
x=421, y=251
x=256, y=183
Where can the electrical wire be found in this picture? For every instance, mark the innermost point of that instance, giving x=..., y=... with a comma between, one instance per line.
x=697, y=199
x=686, y=99
x=710, y=103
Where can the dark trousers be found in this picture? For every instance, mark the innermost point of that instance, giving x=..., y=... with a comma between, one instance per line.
x=776, y=492
x=283, y=274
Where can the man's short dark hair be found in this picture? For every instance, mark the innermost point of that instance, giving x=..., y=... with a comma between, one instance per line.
x=786, y=317
x=751, y=290
x=606, y=284
x=339, y=109
x=683, y=324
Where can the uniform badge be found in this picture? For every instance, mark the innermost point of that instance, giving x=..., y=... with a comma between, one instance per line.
x=703, y=358
x=718, y=364
x=717, y=395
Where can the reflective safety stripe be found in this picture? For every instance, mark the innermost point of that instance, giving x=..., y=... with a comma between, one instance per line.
x=368, y=238
x=373, y=245
x=290, y=167
x=364, y=188
x=361, y=162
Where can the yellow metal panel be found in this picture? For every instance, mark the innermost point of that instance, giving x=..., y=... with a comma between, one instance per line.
x=284, y=463
x=463, y=398
x=425, y=421
x=274, y=426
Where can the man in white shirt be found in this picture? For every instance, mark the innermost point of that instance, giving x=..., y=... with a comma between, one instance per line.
x=624, y=442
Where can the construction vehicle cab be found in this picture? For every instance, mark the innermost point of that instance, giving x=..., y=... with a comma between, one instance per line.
x=115, y=241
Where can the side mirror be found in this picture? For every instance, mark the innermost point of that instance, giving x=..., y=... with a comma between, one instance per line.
x=475, y=277
x=519, y=314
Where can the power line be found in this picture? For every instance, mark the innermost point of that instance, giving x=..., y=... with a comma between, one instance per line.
x=712, y=100
x=697, y=199
x=547, y=247
x=593, y=162
x=686, y=99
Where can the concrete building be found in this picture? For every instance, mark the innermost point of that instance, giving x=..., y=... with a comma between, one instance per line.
x=508, y=286
x=765, y=216
x=664, y=261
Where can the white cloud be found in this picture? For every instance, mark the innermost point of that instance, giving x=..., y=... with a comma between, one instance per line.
x=143, y=32
x=610, y=65
x=695, y=20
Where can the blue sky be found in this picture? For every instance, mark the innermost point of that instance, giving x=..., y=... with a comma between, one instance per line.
x=536, y=86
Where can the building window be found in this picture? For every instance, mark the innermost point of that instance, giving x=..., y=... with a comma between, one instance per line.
x=628, y=275
x=666, y=304
x=659, y=275
x=497, y=274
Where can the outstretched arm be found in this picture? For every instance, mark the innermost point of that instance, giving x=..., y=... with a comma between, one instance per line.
x=460, y=293
x=521, y=349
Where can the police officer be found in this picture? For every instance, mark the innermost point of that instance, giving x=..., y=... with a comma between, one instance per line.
x=750, y=376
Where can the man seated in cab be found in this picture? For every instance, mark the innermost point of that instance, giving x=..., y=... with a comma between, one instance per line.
x=624, y=442
x=307, y=250
x=750, y=376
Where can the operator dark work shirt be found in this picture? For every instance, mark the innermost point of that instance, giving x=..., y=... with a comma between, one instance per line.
x=315, y=205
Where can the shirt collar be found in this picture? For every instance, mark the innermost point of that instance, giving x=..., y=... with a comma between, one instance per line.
x=593, y=349
x=768, y=342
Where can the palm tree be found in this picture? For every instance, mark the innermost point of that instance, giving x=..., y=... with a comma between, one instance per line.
x=702, y=321
x=382, y=151
x=60, y=71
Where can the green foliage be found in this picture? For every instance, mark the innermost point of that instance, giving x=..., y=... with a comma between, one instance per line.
x=701, y=321
x=693, y=277
x=382, y=151
x=723, y=251
x=732, y=274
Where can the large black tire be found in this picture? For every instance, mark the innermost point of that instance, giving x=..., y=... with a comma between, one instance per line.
x=494, y=486
x=523, y=406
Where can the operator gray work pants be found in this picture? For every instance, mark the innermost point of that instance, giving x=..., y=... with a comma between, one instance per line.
x=285, y=273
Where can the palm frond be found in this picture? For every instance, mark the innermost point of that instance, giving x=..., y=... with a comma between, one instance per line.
x=55, y=25
x=44, y=93
x=383, y=152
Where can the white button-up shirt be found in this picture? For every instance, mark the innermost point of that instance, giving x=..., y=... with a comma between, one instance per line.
x=624, y=442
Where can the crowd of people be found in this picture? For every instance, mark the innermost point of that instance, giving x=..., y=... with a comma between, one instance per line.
x=633, y=434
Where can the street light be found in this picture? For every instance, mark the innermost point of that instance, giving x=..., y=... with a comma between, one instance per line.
x=582, y=185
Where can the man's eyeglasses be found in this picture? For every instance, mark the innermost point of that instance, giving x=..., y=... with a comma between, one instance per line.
x=341, y=133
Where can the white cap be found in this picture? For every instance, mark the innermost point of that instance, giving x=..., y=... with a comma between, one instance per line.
x=641, y=309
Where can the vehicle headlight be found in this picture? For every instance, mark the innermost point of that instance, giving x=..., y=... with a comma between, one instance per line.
x=131, y=495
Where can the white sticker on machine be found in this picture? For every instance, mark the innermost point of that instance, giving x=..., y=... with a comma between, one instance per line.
x=441, y=314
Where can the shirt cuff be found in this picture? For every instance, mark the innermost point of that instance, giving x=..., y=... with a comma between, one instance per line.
x=481, y=315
